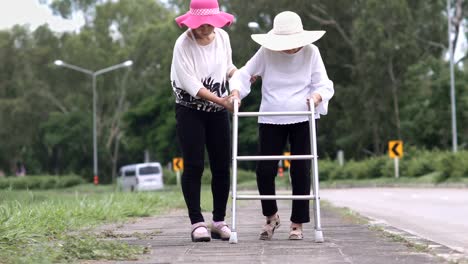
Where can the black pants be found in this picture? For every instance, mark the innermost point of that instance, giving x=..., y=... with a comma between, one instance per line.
x=273, y=139
x=195, y=130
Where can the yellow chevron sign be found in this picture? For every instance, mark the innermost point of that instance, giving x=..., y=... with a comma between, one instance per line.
x=177, y=164
x=395, y=149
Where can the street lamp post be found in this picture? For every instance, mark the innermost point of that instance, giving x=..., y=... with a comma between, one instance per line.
x=93, y=76
x=452, y=82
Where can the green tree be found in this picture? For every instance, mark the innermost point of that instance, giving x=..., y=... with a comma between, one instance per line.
x=24, y=97
x=386, y=60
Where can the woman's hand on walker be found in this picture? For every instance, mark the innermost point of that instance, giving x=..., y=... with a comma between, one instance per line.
x=228, y=102
x=235, y=95
x=316, y=98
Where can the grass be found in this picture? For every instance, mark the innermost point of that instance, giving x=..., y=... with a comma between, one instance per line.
x=429, y=180
x=345, y=213
x=40, y=226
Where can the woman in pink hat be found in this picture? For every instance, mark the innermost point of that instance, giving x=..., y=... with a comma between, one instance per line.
x=201, y=66
x=292, y=73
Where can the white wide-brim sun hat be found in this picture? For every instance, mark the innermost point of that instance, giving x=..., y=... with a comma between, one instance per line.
x=287, y=33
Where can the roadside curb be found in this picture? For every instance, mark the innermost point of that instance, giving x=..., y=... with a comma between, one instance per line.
x=418, y=242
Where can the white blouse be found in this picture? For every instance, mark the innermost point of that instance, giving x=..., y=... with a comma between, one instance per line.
x=195, y=66
x=287, y=81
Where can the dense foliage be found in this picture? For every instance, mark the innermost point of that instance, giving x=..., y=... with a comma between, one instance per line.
x=386, y=58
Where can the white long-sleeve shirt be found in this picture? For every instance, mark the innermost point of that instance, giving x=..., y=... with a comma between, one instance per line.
x=195, y=66
x=287, y=81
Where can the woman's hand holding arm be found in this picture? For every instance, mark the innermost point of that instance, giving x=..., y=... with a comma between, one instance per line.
x=226, y=102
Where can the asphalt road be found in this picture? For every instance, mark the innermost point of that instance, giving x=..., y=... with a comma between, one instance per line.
x=440, y=215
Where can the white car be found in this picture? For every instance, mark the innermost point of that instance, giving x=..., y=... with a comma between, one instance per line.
x=141, y=177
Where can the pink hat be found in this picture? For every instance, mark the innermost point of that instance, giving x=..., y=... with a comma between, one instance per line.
x=204, y=12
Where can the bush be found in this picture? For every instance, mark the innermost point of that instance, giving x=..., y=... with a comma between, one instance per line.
x=47, y=183
x=327, y=169
x=421, y=165
x=206, y=178
x=169, y=177
x=388, y=168
x=452, y=166
x=242, y=176
x=4, y=184
x=40, y=182
x=69, y=181
x=356, y=170
x=245, y=175
x=415, y=163
x=374, y=166
x=339, y=173
x=371, y=168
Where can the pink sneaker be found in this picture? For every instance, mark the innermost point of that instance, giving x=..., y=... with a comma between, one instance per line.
x=220, y=231
x=200, y=232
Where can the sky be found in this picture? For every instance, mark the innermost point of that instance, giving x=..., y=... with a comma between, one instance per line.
x=30, y=12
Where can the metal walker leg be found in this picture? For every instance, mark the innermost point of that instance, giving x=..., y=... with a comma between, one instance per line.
x=313, y=157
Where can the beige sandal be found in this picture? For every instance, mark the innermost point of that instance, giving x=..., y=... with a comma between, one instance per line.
x=203, y=237
x=295, y=233
x=269, y=228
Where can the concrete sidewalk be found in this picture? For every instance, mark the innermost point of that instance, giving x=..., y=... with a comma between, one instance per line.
x=168, y=238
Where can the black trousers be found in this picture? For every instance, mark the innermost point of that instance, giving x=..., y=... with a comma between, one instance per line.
x=272, y=141
x=195, y=130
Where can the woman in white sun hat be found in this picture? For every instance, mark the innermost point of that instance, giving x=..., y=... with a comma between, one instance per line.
x=201, y=66
x=292, y=73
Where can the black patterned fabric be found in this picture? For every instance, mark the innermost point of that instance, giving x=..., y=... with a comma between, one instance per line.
x=185, y=99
